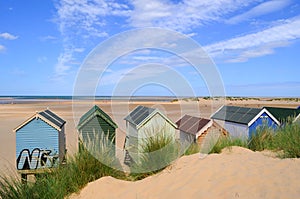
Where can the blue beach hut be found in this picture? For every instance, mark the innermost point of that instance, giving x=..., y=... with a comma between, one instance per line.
x=40, y=141
x=243, y=122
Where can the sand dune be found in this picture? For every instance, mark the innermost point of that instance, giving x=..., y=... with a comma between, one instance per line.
x=235, y=173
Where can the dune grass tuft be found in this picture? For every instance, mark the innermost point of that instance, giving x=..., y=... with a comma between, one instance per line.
x=156, y=153
x=227, y=141
x=285, y=140
x=192, y=149
x=262, y=139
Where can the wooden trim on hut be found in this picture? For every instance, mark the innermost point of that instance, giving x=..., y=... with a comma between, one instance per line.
x=222, y=131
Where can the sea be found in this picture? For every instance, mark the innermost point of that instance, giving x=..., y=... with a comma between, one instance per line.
x=28, y=99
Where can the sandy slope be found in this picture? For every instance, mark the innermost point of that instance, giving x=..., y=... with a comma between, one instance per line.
x=239, y=173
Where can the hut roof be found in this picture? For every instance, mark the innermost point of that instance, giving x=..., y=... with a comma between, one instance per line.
x=93, y=112
x=241, y=115
x=142, y=114
x=47, y=116
x=191, y=124
x=139, y=114
x=283, y=114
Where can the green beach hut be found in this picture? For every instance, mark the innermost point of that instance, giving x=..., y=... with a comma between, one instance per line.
x=94, y=126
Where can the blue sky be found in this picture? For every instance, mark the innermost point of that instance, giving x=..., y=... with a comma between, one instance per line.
x=255, y=44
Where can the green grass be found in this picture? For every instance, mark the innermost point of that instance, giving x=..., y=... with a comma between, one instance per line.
x=287, y=140
x=262, y=139
x=156, y=153
x=192, y=149
x=284, y=140
x=227, y=141
x=64, y=180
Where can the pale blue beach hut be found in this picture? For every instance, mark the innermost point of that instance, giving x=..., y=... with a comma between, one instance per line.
x=40, y=141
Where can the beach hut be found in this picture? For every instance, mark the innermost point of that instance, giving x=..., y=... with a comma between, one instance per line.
x=141, y=123
x=40, y=141
x=95, y=125
x=194, y=129
x=284, y=115
x=242, y=122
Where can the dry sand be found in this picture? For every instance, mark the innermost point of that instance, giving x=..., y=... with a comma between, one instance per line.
x=235, y=173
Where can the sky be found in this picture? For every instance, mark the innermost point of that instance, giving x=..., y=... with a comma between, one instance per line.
x=253, y=45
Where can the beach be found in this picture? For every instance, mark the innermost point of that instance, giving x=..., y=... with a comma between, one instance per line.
x=236, y=173
x=13, y=113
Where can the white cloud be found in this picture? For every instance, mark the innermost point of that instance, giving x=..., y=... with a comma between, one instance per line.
x=8, y=36
x=261, y=9
x=256, y=44
x=2, y=48
x=63, y=64
x=79, y=21
x=83, y=16
x=83, y=19
x=182, y=16
x=256, y=52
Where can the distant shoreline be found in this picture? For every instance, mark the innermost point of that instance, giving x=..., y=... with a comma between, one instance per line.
x=37, y=99
x=49, y=99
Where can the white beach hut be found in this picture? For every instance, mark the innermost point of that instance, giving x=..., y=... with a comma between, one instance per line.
x=141, y=123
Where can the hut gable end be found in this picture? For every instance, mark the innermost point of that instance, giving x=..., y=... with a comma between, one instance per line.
x=95, y=125
x=141, y=115
x=93, y=113
x=48, y=117
x=159, y=114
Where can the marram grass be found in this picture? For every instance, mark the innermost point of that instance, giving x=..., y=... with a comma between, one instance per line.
x=66, y=179
x=156, y=153
x=285, y=141
x=226, y=141
x=84, y=167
